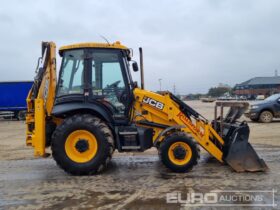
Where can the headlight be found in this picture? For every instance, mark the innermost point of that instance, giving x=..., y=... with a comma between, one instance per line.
x=254, y=107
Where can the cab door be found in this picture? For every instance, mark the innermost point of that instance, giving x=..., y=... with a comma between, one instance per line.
x=109, y=82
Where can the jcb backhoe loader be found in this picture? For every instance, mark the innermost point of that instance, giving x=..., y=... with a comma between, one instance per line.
x=96, y=107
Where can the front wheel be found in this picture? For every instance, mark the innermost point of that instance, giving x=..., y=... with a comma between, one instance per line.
x=82, y=145
x=266, y=117
x=179, y=152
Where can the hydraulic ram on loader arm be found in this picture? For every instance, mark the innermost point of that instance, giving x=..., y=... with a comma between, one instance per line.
x=41, y=98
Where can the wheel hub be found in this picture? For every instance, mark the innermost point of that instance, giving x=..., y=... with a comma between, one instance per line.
x=82, y=145
x=179, y=153
x=266, y=117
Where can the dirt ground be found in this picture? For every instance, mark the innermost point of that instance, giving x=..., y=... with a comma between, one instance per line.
x=133, y=180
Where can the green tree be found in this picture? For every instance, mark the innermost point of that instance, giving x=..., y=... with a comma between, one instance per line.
x=218, y=91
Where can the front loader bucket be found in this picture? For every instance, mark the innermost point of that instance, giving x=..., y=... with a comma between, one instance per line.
x=240, y=154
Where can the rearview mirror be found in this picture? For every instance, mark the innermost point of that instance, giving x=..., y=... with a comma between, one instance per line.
x=135, y=66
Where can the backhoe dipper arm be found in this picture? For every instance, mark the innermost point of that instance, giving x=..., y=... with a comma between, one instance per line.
x=41, y=98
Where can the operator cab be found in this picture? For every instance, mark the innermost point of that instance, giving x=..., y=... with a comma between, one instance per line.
x=96, y=74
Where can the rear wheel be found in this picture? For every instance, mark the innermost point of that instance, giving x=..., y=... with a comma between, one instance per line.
x=266, y=117
x=82, y=145
x=179, y=152
x=21, y=115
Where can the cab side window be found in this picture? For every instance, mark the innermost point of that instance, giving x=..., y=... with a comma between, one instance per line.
x=72, y=74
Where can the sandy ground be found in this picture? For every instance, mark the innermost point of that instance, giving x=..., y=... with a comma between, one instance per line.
x=132, y=181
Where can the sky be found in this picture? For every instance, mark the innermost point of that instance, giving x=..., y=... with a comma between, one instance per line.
x=193, y=45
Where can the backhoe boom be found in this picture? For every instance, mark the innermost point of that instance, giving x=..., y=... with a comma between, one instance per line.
x=41, y=98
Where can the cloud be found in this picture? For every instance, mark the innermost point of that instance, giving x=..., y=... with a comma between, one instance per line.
x=192, y=44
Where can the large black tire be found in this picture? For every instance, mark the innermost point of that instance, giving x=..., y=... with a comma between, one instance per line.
x=266, y=117
x=103, y=136
x=21, y=115
x=168, y=142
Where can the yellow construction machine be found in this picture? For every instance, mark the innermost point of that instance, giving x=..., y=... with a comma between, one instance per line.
x=95, y=107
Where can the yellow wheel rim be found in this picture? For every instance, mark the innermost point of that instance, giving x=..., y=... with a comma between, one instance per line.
x=81, y=146
x=185, y=159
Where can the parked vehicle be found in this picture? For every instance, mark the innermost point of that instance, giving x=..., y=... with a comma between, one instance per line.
x=242, y=98
x=13, y=99
x=260, y=97
x=208, y=99
x=264, y=111
x=228, y=98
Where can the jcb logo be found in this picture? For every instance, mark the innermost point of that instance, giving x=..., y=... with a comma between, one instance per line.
x=153, y=102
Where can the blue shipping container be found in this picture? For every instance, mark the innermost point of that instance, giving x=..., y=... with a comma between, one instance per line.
x=13, y=95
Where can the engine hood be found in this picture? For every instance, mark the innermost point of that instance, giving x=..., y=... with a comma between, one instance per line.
x=260, y=103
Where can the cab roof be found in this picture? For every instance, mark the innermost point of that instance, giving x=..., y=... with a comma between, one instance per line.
x=115, y=45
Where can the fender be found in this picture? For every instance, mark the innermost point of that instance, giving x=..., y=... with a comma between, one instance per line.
x=273, y=111
x=162, y=133
x=66, y=108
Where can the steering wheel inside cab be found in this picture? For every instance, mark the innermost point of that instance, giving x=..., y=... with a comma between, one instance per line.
x=112, y=89
x=120, y=93
x=113, y=85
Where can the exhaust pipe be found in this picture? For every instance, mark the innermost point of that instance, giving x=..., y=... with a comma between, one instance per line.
x=141, y=68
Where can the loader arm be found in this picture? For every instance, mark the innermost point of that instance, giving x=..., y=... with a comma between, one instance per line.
x=166, y=113
x=40, y=99
x=165, y=109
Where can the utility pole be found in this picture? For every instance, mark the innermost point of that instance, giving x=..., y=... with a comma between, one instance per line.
x=159, y=84
x=276, y=73
x=174, y=89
